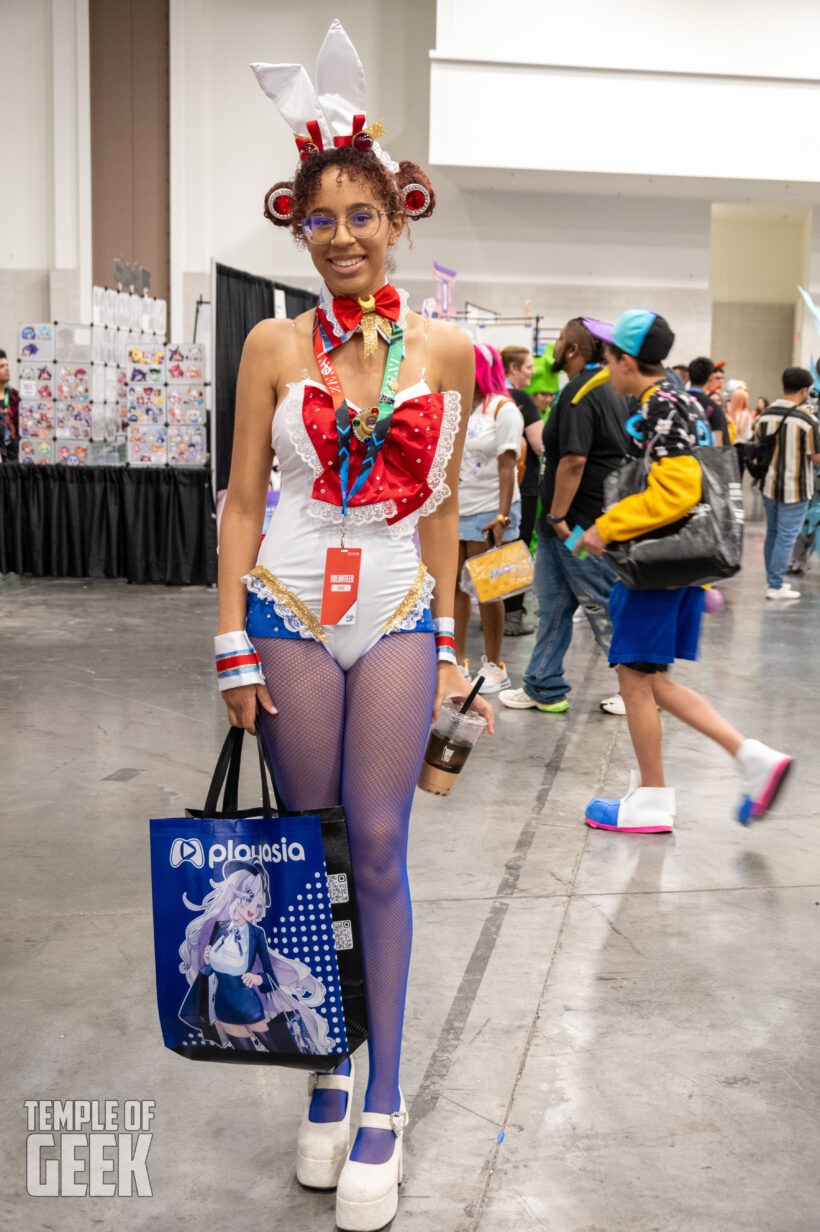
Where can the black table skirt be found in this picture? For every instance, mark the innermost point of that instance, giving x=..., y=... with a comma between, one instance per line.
x=137, y=523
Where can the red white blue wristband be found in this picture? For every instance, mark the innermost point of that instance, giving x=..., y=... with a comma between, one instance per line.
x=237, y=662
x=445, y=627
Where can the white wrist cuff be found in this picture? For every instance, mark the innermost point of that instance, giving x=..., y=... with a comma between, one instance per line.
x=445, y=627
x=237, y=662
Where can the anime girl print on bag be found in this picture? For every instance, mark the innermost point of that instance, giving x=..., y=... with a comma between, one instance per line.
x=243, y=994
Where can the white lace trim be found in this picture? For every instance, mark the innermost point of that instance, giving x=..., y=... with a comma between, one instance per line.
x=417, y=610
x=295, y=424
x=437, y=478
x=292, y=623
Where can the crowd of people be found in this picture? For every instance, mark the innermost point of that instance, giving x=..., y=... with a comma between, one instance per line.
x=585, y=433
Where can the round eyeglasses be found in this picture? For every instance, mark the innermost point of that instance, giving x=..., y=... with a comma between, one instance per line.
x=361, y=223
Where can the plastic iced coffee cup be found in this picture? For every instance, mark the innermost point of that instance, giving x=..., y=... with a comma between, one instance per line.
x=452, y=739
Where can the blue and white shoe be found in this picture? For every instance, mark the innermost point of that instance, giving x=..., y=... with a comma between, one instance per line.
x=643, y=810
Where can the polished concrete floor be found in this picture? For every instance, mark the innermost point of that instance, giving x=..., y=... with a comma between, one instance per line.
x=604, y=1033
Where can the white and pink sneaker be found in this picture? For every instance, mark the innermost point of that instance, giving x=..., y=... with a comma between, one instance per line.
x=763, y=772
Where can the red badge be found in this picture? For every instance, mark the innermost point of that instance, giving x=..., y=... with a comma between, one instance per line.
x=341, y=588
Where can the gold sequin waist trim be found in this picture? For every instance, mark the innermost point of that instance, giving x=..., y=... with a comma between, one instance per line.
x=408, y=602
x=283, y=594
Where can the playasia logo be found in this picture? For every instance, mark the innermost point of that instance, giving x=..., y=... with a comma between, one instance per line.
x=189, y=851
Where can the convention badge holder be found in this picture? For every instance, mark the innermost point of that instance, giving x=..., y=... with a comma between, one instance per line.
x=340, y=592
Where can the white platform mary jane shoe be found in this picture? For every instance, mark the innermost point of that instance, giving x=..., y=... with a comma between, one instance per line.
x=367, y=1196
x=322, y=1146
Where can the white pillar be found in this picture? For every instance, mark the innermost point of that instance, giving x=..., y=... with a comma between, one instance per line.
x=71, y=146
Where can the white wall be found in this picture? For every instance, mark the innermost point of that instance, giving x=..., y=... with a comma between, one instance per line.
x=45, y=224
x=687, y=89
x=734, y=37
x=25, y=211
x=650, y=123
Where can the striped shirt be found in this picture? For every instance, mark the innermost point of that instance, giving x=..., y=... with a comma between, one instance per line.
x=790, y=477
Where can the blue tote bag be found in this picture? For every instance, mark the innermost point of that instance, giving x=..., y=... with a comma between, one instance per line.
x=256, y=938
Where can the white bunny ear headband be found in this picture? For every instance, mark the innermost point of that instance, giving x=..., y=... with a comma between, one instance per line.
x=331, y=114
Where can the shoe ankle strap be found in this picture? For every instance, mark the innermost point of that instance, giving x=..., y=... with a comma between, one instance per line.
x=330, y=1082
x=396, y=1121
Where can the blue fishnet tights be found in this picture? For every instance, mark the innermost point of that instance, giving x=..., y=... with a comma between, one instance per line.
x=358, y=737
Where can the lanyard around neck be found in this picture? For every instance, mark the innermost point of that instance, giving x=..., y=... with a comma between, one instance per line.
x=344, y=426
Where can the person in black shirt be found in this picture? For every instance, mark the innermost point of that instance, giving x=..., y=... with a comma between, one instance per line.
x=700, y=370
x=584, y=439
x=518, y=370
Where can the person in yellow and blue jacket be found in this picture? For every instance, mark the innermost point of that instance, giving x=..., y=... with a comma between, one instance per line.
x=652, y=628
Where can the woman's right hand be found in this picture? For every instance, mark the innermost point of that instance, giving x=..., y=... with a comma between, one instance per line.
x=242, y=703
x=494, y=530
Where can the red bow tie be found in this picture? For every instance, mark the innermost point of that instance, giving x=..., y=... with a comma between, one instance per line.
x=349, y=312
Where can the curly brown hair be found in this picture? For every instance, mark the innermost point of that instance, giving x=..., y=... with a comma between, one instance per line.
x=360, y=165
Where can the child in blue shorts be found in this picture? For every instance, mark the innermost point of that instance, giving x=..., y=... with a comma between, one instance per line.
x=652, y=628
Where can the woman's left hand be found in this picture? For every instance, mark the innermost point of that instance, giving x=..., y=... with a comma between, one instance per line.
x=251, y=980
x=451, y=683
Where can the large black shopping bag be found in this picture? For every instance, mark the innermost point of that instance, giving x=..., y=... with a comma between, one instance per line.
x=704, y=546
x=256, y=936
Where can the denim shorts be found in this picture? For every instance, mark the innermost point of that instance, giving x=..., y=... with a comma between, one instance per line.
x=471, y=525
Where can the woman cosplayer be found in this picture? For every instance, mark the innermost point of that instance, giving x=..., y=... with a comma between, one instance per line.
x=360, y=400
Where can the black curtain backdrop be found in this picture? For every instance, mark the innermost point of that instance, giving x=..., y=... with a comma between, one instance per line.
x=143, y=524
x=242, y=300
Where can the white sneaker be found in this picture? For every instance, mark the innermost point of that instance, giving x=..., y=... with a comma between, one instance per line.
x=785, y=592
x=464, y=668
x=495, y=676
x=613, y=705
x=762, y=773
x=517, y=699
x=578, y=616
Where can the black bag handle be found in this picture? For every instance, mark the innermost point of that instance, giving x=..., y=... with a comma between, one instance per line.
x=226, y=774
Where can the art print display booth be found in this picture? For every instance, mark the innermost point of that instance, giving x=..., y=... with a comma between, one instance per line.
x=124, y=441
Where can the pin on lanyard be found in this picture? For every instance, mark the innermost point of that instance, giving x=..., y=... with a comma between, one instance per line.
x=344, y=426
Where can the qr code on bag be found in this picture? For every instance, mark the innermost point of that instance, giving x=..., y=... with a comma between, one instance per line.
x=337, y=887
x=343, y=934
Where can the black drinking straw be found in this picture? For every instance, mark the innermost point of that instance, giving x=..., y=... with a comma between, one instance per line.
x=479, y=682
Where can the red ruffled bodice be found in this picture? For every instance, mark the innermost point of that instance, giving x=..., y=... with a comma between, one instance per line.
x=401, y=472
